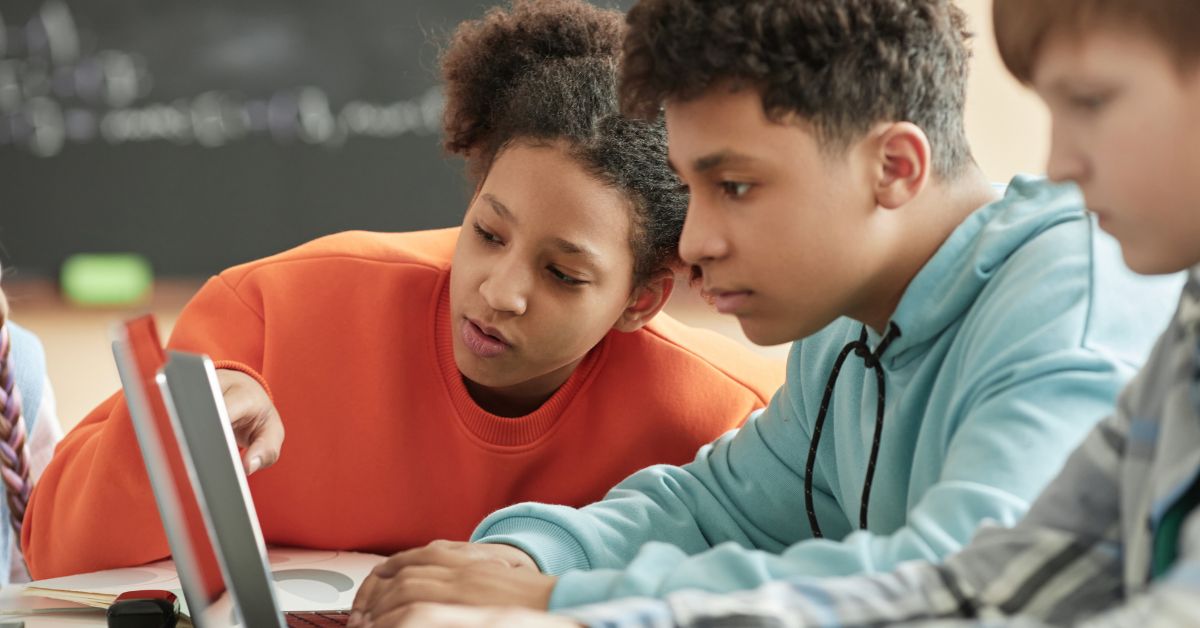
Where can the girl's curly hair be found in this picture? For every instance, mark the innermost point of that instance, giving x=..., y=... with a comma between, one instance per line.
x=545, y=71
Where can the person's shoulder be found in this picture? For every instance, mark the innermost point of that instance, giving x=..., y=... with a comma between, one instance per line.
x=27, y=352
x=1035, y=220
x=665, y=344
x=418, y=250
x=1065, y=284
x=29, y=367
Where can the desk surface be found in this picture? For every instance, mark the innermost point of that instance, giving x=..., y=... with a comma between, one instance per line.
x=304, y=580
x=40, y=615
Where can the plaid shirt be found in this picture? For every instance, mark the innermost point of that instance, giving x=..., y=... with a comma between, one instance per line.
x=1082, y=556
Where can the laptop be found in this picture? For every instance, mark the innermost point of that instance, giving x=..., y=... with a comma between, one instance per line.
x=179, y=417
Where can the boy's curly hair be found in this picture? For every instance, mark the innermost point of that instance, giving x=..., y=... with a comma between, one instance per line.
x=842, y=65
x=544, y=71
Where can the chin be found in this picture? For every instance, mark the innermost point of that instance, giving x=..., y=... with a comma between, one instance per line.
x=488, y=378
x=1155, y=262
x=765, y=334
x=470, y=367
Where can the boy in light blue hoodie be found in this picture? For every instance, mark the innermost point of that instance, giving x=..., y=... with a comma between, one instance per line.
x=951, y=347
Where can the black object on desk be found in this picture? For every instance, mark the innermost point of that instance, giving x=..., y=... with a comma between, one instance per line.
x=144, y=609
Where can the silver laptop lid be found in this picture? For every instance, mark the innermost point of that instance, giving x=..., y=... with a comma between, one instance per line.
x=138, y=356
x=193, y=397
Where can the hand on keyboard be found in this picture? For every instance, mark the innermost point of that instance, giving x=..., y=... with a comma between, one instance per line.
x=453, y=572
x=446, y=616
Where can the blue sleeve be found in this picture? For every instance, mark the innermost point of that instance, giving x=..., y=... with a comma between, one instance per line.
x=29, y=370
x=746, y=488
x=1023, y=428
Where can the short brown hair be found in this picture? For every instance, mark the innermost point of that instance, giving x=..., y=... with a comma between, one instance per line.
x=842, y=65
x=1023, y=25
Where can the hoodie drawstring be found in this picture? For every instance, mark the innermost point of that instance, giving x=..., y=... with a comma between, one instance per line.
x=872, y=361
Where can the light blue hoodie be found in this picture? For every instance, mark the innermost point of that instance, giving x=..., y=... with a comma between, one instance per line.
x=1014, y=339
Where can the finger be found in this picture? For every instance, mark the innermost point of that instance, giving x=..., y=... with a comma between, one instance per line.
x=435, y=615
x=449, y=554
x=265, y=444
x=407, y=585
x=363, y=596
x=379, y=576
x=243, y=409
x=433, y=554
x=401, y=593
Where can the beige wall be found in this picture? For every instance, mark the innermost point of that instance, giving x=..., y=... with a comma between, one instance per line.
x=1006, y=124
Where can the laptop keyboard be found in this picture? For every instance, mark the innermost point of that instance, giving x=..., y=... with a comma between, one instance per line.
x=297, y=619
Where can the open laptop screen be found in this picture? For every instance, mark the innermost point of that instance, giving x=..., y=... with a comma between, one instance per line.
x=140, y=356
x=207, y=510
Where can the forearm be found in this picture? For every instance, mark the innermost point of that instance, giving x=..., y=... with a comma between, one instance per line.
x=915, y=593
x=656, y=504
x=92, y=507
x=737, y=489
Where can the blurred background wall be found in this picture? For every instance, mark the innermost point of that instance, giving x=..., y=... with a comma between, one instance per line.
x=204, y=134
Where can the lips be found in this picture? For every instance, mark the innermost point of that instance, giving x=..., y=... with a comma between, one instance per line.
x=483, y=341
x=729, y=301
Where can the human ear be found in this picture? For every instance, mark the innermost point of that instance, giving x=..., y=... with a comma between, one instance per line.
x=903, y=157
x=647, y=301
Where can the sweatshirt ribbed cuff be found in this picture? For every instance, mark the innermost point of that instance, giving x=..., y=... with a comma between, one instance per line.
x=551, y=546
x=242, y=368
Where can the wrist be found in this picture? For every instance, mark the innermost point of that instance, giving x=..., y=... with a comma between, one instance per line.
x=231, y=365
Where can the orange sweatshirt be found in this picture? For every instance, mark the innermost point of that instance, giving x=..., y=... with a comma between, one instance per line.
x=384, y=448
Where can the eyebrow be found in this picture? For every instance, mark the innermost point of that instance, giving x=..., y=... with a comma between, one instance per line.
x=720, y=158
x=1066, y=85
x=500, y=209
x=564, y=246
x=1057, y=85
x=570, y=248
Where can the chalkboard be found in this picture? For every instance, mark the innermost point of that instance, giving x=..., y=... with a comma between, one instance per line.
x=204, y=134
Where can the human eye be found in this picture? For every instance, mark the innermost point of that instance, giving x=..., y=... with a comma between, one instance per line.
x=735, y=189
x=1090, y=102
x=564, y=278
x=488, y=237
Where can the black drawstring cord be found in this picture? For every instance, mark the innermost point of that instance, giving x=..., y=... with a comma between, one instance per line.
x=871, y=361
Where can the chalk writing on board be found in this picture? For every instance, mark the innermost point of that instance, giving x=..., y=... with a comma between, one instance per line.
x=59, y=86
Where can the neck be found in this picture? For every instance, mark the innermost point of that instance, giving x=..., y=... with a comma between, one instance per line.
x=922, y=226
x=522, y=398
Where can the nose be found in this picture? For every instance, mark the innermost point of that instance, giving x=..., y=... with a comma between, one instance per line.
x=703, y=239
x=1066, y=161
x=506, y=288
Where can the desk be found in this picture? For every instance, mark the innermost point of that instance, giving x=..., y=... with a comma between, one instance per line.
x=305, y=580
x=12, y=599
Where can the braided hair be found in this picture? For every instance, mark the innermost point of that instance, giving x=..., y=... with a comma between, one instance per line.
x=14, y=454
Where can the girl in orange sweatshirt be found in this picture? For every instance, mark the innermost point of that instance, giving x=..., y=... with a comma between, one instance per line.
x=426, y=379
